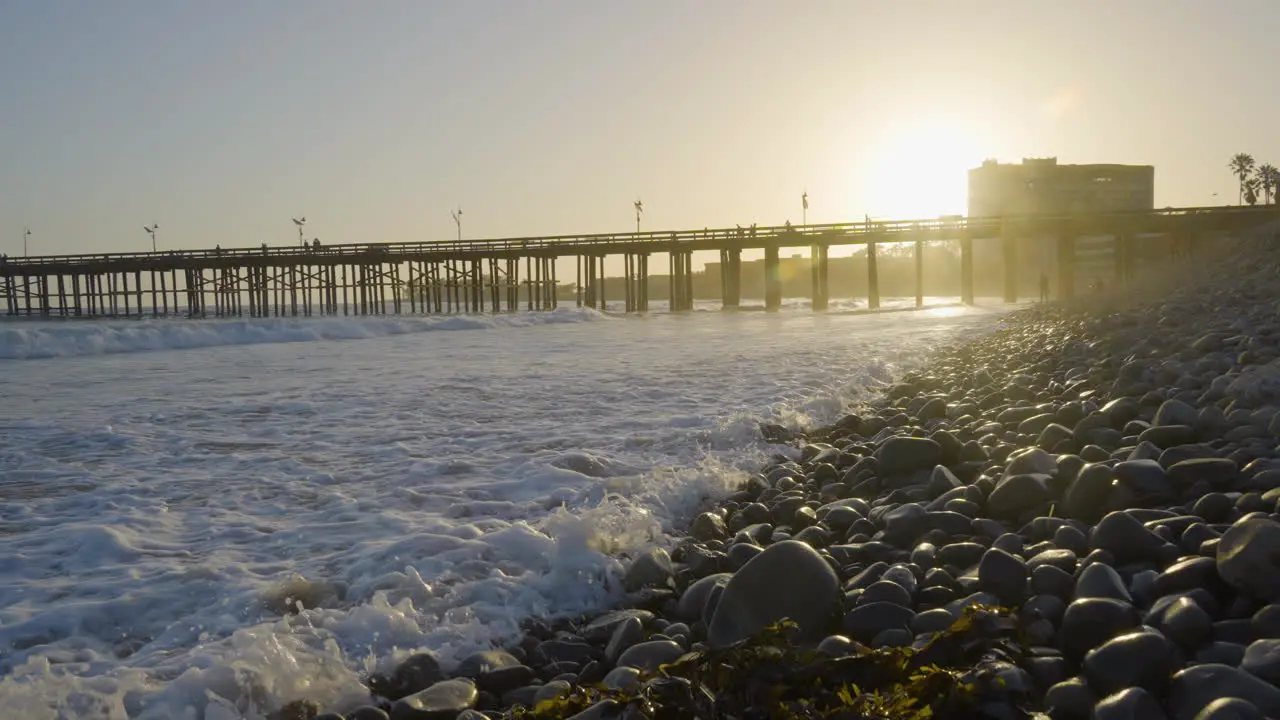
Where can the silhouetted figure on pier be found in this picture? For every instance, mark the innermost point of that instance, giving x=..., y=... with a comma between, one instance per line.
x=1044, y=287
x=315, y=244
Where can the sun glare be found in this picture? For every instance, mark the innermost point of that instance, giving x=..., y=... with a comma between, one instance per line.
x=922, y=171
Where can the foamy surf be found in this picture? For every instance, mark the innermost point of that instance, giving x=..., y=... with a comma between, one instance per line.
x=216, y=532
x=26, y=340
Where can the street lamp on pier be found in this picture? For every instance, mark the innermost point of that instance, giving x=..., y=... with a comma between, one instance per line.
x=457, y=220
x=300, y=222
x=152, y=232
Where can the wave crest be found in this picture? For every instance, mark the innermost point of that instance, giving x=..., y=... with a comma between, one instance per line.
x=26, y=340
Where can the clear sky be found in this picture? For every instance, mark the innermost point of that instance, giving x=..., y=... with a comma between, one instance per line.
x=373, y=118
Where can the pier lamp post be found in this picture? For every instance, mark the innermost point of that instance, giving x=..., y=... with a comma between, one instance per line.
x=457, y=220
x=300, y=222
x=26, y=233
x=152, y=232
x=804, y=209
x=639, y=206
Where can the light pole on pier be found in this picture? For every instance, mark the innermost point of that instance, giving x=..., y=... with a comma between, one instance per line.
x=300, y=222
x=152, y=232
x=804, y=209
x=26, y=233
x=457, y=220
x=639, y=206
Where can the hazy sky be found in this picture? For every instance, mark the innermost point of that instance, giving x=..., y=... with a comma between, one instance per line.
x=220, y=120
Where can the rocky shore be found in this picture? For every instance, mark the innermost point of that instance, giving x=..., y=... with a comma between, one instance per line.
x=1075, y=516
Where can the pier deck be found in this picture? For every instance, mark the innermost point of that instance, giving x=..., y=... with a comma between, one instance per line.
x=508, y=274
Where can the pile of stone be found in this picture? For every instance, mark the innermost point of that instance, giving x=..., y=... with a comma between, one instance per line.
x=1110, y=475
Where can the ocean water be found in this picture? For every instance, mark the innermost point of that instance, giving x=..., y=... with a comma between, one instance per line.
x=169, y=488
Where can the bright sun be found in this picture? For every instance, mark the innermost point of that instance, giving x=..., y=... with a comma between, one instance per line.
x=921, y=172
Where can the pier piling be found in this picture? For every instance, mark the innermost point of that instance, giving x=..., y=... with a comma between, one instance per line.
x=1009, y=250
x=1066, y=267
x=873, y=278
x=772, y=279
x=919, y=258
x=681, y=291
x=819, y=268
x=966, y=268
x=730, y=278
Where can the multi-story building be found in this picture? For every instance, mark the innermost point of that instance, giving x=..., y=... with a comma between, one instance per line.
x=1040, y=186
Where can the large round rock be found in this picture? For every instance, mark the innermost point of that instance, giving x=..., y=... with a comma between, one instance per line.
x=1262, y=659
x=1194, y=688
x=440, y=701
x=1125, y=537
x=1128, y=704
x=1016, y=494
x=1229, y=709
x=1089, y=622
x=650, y=655
x=788, y=580
x=1249, y=558
x=901, y=454
x=1139, y=659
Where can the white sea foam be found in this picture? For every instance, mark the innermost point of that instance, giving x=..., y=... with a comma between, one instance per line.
x=407, y=489
x=24, y=340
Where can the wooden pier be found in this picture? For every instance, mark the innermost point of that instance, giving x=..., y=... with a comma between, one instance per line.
x=510, y=274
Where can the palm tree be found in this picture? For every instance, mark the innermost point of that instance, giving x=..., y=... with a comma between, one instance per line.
x=1251, y=187
x=1269, y=178
x=1242, y=165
